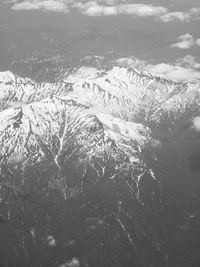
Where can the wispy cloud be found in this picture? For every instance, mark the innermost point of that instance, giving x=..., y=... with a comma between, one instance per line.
x=186, y=68
x=191, y=14
x=188, y=61
x=196, y=123
x=48, y=5
x=178, y=16
x=174, y=72
x=197, y=42
x=92, y=8
x=186, y=41
x=107, y=8
x=141, y=10
x=194, y=11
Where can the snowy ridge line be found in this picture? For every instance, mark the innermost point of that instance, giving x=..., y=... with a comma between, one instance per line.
x=124, y=103
x=141, y=73
x=32, y=83
x=116, y=82
x=115, y=85
x=44, y=119
x=56, y=134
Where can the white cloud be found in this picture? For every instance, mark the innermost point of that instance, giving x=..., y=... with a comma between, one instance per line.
x=172, y=16
x=107, y=8
x=196, y=124
x=191, y=14
x=186, y=68
x=108, y=11
x=51, y=242
x=48, y=5
x=140, y=10
x=174, y=72
x=186, y=41
x=188, y=62
x=194, y=11
x=159, y=68
x=131, y=62
x=198, y=42
x=92, y=8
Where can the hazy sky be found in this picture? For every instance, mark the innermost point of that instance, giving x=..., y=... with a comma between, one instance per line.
x=159, y=31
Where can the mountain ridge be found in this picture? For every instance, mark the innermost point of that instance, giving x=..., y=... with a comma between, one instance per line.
x=118, y=98
x=109, y=141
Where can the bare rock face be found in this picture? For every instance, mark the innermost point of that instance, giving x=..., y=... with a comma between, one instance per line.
x=97, y=158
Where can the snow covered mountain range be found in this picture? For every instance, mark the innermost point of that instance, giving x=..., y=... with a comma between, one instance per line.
x=125, y=106
x=97, y=126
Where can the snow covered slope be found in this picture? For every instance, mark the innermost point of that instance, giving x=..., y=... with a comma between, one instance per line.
x=94, y=129
x=42, y=121
x=125, y=102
